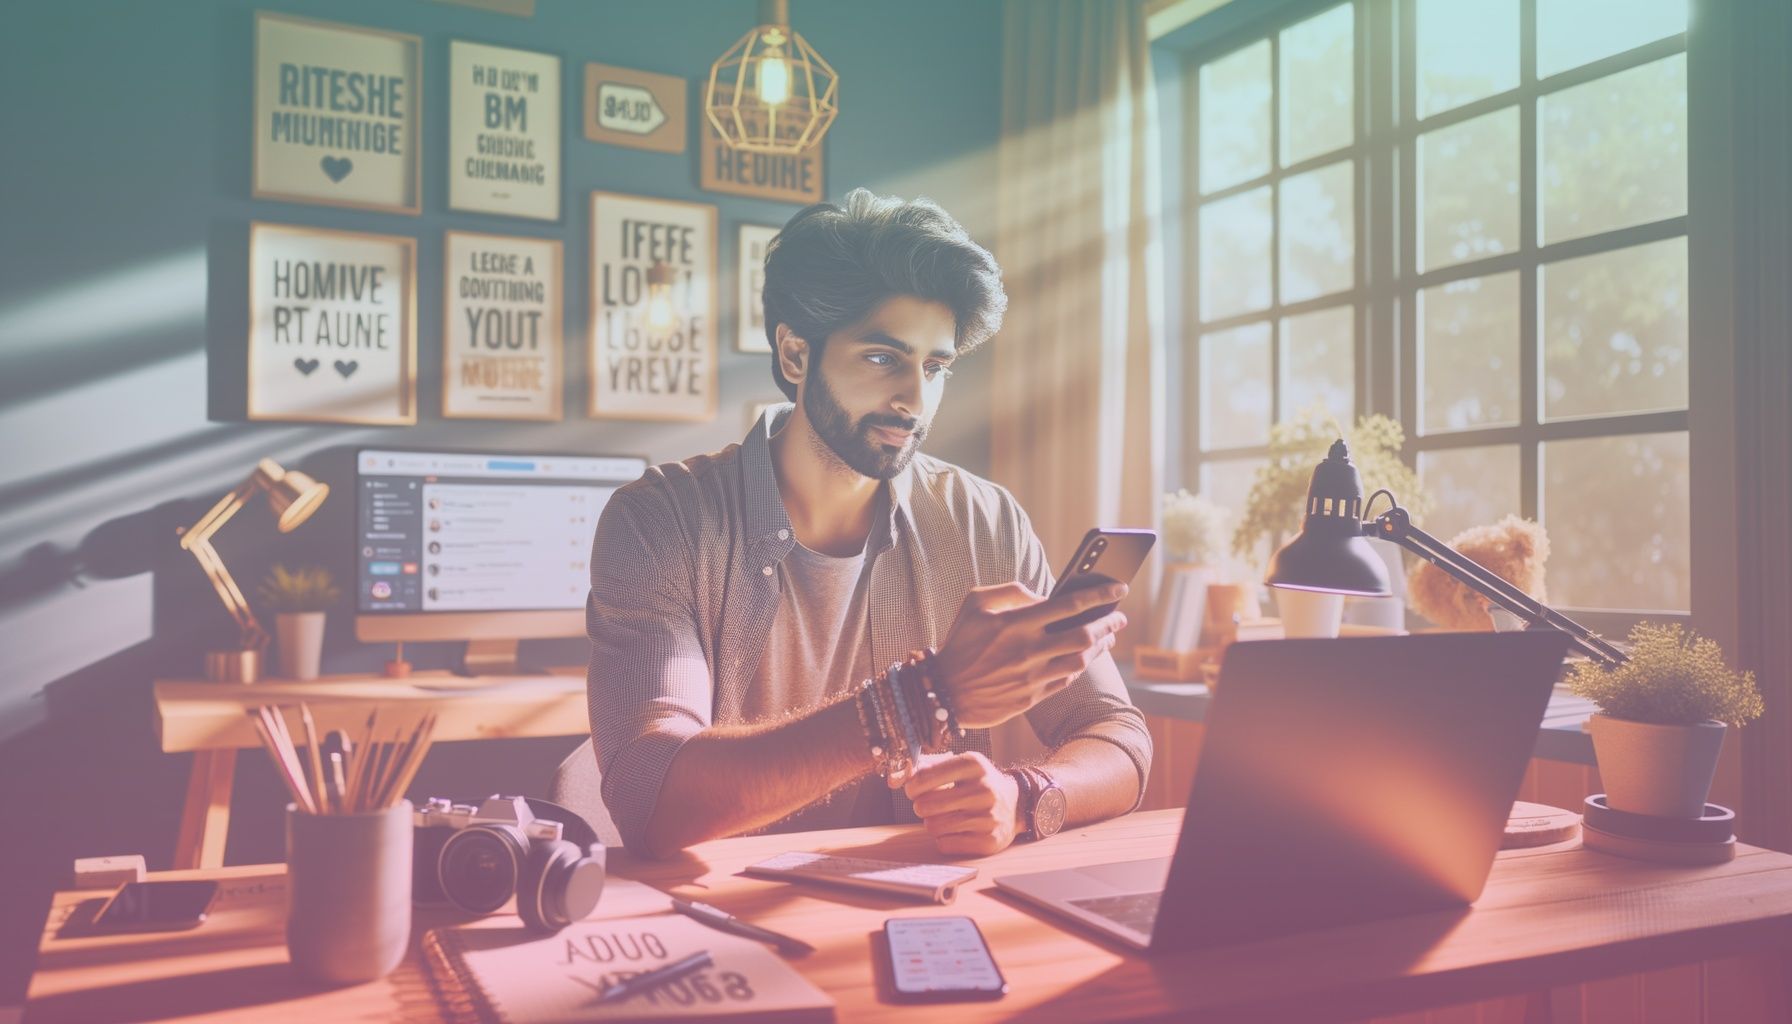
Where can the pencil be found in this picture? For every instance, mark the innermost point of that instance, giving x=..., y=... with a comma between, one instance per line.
x=314, y=758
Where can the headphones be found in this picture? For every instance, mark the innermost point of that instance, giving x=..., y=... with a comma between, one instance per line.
x=546, y=855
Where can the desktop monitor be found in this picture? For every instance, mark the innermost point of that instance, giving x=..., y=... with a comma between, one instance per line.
x=477, y=546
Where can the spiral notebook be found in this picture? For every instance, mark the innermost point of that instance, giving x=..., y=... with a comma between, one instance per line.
x=495, y=972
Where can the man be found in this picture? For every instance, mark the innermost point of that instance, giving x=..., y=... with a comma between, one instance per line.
x=739, y=598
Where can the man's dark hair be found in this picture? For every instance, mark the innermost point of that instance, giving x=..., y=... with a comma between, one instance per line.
x=832, y=265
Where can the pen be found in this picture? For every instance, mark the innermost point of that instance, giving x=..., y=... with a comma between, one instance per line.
x=628, y=988
x=724, y=921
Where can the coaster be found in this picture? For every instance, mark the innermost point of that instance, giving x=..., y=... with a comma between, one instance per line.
x=1715, y=826
x=1656, y=850
x=1538, y=825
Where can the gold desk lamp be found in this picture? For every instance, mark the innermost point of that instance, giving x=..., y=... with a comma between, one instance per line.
x=292, y=496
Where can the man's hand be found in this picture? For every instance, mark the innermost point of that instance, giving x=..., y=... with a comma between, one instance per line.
x=998, y=661
x=968, y=805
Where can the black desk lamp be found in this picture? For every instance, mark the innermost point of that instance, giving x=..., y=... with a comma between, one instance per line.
x=1330, y=555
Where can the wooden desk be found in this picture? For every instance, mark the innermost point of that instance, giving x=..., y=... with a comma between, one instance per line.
x=1550, y=916
x=207, y=718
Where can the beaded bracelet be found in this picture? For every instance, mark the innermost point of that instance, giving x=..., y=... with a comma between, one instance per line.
x=906, y=719
x=927, y=659
x=895, y=755
x=874, y=736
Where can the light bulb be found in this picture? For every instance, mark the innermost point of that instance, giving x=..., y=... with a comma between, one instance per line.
x=774, y=78
x=659, y=296
x=659, y=310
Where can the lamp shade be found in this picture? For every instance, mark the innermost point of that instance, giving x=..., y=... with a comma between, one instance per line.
x=1330, y=554
x=292, y=495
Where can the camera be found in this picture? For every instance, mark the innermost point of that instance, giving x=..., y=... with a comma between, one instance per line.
x=476, y=858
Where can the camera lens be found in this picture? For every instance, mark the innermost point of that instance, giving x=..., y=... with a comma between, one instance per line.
x=479, y=866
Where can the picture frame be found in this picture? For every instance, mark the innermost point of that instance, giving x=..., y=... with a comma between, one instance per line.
x=503, y=327
x=638, y=370
x=338, y=115
x=749, y=273
x=505, y=148
x=332, y=326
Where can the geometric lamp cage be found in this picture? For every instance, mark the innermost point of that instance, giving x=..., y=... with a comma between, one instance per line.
x=771, y=92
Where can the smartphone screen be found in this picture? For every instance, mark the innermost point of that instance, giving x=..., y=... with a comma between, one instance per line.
x=157, y=906
x=940, y=959
x=1104, y=556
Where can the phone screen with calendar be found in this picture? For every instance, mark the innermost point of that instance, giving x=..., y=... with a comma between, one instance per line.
x=940, y=959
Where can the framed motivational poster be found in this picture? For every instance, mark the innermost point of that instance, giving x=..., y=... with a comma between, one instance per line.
x=332, y=326
x=503, y=131
x=501, y=327
x=749, y=305
x=653, y=294
x=337, y=114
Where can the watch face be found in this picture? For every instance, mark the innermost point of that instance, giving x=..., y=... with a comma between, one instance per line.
x=1048, y=813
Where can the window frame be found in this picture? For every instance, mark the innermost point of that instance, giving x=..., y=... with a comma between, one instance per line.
x=1387, y=280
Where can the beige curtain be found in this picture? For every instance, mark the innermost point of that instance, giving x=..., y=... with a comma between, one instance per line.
x=1078, y=428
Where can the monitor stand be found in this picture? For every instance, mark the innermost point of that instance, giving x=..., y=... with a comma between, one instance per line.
x=493, y=658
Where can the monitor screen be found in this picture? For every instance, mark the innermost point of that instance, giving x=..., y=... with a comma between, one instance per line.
x=478, y=531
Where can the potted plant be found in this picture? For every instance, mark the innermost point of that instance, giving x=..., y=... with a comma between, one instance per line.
x=299, y=598
x=1662, y=717
x=1276, y=506
x=1193, y=532
x=1514, y=549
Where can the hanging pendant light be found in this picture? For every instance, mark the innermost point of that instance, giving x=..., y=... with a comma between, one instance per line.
x=771, y=92
x=660, y=316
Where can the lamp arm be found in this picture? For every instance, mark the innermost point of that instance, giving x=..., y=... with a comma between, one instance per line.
x=198, y=540
x=1396, y=526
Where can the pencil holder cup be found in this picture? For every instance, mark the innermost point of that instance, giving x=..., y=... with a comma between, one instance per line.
x=348, y=891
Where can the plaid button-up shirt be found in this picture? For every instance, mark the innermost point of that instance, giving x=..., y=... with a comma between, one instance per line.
x=685, y=588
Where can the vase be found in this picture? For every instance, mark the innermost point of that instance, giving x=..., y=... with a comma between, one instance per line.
x=1309, y=613
x=299, y=643
x=1660, y=770
x=1184, y=598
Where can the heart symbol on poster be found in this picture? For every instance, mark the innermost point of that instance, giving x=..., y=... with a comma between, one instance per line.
x=337, y=167
x=304, y=366
x=347, y=369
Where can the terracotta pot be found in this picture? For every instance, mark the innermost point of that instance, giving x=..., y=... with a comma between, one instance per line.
x=1662, y=770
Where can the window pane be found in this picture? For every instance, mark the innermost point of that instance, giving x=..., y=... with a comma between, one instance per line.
x=1227, y=482
x=1468, y=354
x=1469, y=487
x=1235, y=396
x=1317, y=116
x=1613, y=151
x=1235, y=254
x=1465, y=51
x=1575, y=32
x=1235, y=117
x=1318, y=232
x=1468, y=190
x=1319, y=363
x=1619, y=526
x=1614, y=332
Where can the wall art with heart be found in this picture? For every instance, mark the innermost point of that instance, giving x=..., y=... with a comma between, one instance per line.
x=337, y=114
x=332, y=326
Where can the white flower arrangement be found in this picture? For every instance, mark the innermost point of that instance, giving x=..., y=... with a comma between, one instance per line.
x=1194, y=528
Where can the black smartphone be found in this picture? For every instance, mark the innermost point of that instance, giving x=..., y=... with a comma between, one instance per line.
x=157, y=906
x=1104, y=556
x=940, y=960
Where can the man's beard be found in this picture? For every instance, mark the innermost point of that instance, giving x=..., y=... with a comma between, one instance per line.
x=852, y=443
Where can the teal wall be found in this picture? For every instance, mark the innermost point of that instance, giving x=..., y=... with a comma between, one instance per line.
x=124, y=201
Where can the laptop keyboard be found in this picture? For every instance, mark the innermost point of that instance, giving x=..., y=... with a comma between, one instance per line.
x=1137, y=911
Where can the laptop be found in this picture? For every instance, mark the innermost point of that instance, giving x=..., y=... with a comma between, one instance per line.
x=1340, y=781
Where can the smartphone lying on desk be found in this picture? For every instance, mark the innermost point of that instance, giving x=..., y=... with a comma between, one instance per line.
x=157, y=906
x=1104, y=556
x=940, y=960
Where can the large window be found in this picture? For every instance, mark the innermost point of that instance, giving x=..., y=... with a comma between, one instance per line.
x=1469, y=215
